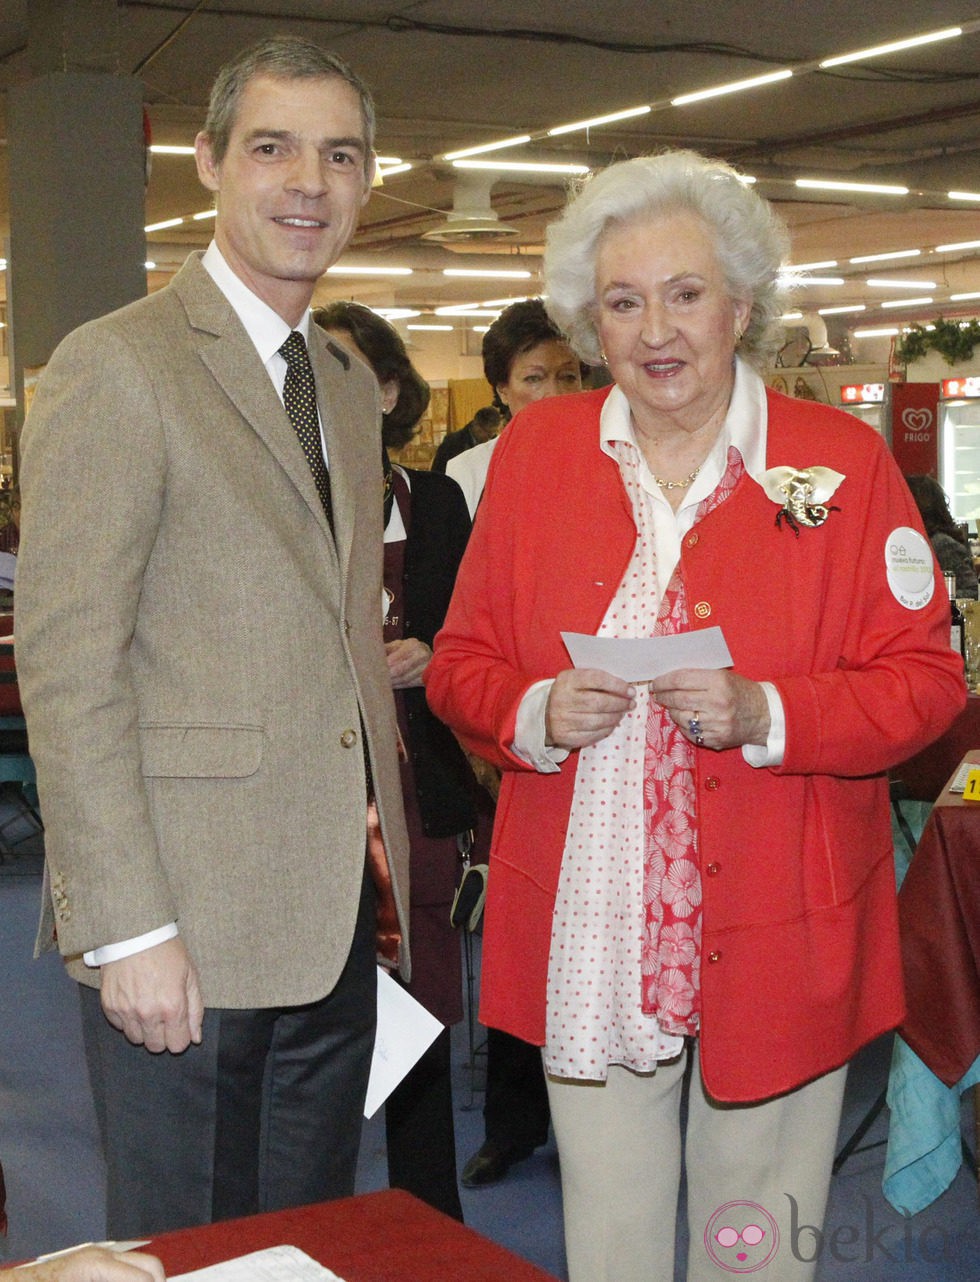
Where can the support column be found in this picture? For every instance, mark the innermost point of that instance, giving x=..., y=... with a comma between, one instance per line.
x=77, y=181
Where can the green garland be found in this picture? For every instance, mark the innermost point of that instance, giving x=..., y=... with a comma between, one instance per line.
x=951, y=339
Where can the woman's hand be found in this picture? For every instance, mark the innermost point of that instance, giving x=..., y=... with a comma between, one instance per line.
x=730, y=710
x=585, y=705
x=407, y=660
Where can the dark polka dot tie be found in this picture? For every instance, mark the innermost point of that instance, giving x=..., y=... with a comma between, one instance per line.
x=299, y=397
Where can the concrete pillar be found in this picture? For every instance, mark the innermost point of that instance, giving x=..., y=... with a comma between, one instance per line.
x=77, y=180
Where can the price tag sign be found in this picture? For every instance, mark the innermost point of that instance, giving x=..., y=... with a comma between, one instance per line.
x=971, y=789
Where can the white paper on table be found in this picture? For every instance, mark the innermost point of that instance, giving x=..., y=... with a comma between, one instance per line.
x=406, y=1030
x=644, y=658
x=274, y=1264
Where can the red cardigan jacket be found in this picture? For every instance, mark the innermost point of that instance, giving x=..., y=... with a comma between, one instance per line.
x=800, y=962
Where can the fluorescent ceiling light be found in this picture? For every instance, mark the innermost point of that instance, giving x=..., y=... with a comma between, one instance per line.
x=465, y=309
x=877, y=51
x=875, y=283
x=475, y=274
x=521, y=166
x=810, y=267
x=162, y=149
x=443, y=328
x=167, y=222
x=205, y=213
x=880, y=258
x=964, y=195
x=389, y=160
x=836, y=311
x=813, y=280
x=952, y=249
x=341, y=269
x=736, y=86
x=395, y=313
x=599, y=120
x=487, y=146
x=880, y=189
x=876, y=333
x=962, y=298
x=150, y=265
x=388, y=171
x=791, y=316
x=908, y=302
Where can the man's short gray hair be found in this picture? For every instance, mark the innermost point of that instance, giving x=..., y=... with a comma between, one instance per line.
x=282, y=58
x=751, y=241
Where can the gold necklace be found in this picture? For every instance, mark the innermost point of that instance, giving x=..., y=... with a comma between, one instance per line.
x=678, y=485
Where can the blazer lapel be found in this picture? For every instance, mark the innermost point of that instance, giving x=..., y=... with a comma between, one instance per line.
x=232, y=360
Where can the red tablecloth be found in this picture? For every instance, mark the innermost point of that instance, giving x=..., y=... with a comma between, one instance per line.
x=939, y=916
x=926, y=773
x=378, y=1237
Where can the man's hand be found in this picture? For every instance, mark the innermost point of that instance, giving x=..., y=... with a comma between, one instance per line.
x=407, y=660
x=585, y=705
x=91, y=1264
x=154, y=997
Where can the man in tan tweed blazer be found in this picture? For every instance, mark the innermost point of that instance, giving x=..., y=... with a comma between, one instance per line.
x=200, y=658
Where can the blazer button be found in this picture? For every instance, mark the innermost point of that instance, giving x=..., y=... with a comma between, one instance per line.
x=712, y=783
x=713, y=870
x=702, y=610
x=692, y=540
x=348, y=738
x=714, y=956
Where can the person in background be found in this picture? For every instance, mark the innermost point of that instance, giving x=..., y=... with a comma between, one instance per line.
x=89, y=1264
x=525, y=358
x=950, y=544
x=9, y=520
x=483, y=426
x=692, y=873
x=426, y=528
x=224, y=829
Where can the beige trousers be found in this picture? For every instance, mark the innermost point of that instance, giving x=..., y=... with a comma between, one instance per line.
x=757, y=1176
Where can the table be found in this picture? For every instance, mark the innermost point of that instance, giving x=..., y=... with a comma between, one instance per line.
x=378, y=1237
x=937, y=1054
x=939, y=919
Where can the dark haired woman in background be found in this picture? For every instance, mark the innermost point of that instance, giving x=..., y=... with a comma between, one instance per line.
x=525, y=359
x=948, y=541
x=426, y=528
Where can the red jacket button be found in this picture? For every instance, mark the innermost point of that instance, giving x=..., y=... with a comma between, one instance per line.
x=702, y=610
x=713, y=870
x=712, y=782
x=692, y=540
x=714, y=957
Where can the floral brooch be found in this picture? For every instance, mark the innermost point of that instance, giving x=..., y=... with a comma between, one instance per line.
x=802, y=494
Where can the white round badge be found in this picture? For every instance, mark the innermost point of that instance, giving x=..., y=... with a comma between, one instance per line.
x=910, y=567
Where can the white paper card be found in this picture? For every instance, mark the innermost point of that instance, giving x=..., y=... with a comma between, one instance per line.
x=406, y=1030
x=274, y=1264
x=644, y=658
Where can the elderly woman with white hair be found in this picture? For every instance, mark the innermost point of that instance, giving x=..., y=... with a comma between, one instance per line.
x=692, y=872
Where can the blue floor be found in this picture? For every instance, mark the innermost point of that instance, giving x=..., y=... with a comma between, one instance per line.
x=54, y=1180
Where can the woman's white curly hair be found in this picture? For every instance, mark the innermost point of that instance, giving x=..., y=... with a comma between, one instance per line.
x=751, y=241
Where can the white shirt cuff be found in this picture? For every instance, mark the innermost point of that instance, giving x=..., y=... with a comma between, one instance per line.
x=775, y=746
x=529, y=731
x=127, y=947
